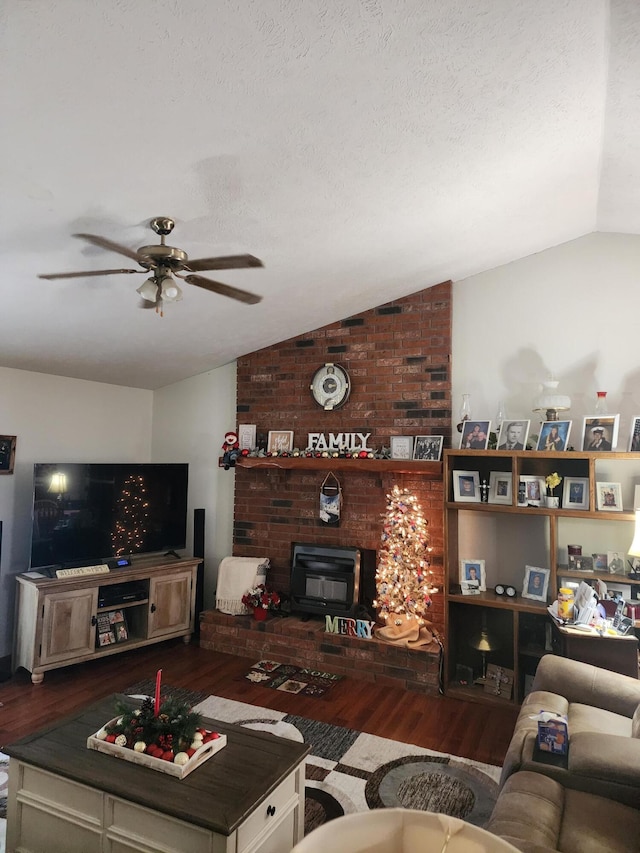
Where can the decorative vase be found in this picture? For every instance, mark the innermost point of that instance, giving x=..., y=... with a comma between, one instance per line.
x=259, y=614
x=553, y=502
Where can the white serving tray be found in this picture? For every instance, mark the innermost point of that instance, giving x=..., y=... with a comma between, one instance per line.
x=179, y=770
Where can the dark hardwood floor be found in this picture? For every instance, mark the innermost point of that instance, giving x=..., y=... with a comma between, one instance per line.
x=471, y=730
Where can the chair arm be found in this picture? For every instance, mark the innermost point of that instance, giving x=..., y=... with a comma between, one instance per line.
x=606, y=759
x=588, y=685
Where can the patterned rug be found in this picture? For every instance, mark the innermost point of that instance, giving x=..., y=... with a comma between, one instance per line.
x=349, y=771
x=291, y=679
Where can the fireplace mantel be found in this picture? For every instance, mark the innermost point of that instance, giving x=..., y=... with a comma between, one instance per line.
x=429, y=470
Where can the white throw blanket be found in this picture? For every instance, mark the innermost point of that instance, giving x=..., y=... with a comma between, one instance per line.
x=235, y=576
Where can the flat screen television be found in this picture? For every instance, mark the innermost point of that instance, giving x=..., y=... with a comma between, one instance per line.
x=85, y=514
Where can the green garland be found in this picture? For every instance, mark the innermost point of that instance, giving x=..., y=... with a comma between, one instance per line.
x=173, y=728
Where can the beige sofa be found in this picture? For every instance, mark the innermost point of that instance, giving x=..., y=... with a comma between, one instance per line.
x=589, y=803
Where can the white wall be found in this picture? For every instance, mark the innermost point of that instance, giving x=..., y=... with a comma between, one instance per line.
x=571, y=311
x=56, y=419
x=190, y=419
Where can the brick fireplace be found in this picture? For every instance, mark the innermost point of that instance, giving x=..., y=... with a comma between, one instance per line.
x=398, y=357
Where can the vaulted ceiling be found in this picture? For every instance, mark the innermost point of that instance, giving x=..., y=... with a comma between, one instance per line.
x=362, y=149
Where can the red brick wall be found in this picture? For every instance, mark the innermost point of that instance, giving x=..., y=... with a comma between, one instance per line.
x=398, y=357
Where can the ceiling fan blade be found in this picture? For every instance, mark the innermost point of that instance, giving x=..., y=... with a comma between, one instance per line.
x=223, y=289
x=55, y=275
x=103, y=243
x=230, y=262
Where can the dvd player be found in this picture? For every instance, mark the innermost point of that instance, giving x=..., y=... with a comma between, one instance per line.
x=117, y=594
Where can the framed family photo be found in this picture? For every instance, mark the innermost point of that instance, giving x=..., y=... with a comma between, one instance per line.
x=7, y=453
x=428, y=448
x=475, y=435
x=634, y=440
x=466, y=486
x=401, y=446
x=280, y=441
x=609, y=497
x=472, y=575
x=536, y=583
x=500, y=487
x=600, y=433
x=575, y=494
x=531, y=490
x=513, y=435
x=554, y=435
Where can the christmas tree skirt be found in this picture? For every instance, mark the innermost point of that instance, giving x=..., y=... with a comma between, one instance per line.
x=349, y=771
x=291, y=679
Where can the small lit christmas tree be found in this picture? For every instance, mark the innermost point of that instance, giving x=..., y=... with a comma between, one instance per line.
x=404, y=582
x=131, y=517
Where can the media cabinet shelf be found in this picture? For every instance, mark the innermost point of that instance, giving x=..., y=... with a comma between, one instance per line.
x=432, y=470
x=508, y=537
x=56, y=618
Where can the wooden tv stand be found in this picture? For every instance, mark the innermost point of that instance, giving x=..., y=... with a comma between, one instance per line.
x=56, y=618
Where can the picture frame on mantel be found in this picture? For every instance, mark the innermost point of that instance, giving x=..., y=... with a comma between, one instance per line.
x=247, y=436
x=7, y=453
x=401, y=446
x=280, y=441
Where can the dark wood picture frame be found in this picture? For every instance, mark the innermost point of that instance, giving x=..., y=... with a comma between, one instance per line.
x=7, y=453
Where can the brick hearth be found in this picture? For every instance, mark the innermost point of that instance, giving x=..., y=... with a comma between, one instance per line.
x=291, y=640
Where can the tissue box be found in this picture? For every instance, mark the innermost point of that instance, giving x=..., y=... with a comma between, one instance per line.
x=553, y=734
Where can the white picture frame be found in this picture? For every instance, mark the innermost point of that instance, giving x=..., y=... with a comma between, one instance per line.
x=247, y=436
x=428, y=448
x=401, y=446
x=513, y=435
x=501, y=487
x=466, y=486
x=615, y=563
x=536, y=583
x=531, y=490
x=607, y=426
x=280, y=441
x=634, y=437
x=554, y=436
x=575, y=493
x=472, y=576
x=609, y=497
x=475, y=435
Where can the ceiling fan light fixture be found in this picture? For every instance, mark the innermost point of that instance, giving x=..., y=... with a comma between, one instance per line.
x=169, y=289
x=148, y=290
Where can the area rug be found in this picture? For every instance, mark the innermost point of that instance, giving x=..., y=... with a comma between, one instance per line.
x=291, y=679
x=349, y=771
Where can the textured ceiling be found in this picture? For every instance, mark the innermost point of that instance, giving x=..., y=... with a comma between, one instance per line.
x=363, y=150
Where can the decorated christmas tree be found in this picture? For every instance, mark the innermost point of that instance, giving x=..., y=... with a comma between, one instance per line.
x=404, y=581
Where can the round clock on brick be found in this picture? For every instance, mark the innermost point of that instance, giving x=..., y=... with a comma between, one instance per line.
x=330, y=386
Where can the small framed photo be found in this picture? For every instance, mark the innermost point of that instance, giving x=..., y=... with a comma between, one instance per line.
x=280, y=441
x=634, y=440
x=575, y=493
x=401, y=446
x=513, y=435
x=578, y=563
x=600, y=562
x=609, y=497
x=428, y=448
x=7, y=453
x=247, y=436
x=600, y=433
x=554, y=435
x=466, y=486
x=615, y=563
x=472, y=575
x=475, y=435
x=536, y=583
x=500, y=487
x=531, y=490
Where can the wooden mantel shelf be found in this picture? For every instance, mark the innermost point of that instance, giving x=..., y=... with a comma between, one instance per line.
x=431, y=470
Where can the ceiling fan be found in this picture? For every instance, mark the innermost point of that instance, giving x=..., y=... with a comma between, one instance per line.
x=164, y=262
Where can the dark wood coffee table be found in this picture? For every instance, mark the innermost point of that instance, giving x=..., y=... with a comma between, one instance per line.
x=247, y=798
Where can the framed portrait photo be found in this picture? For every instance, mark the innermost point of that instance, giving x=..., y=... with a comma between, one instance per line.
x=536, y=583
x=466, y=486
x=554, y=435
x=600, y=433
x=609, y=497
x=634, y=440
x=7, y=453
x=475, y=435
x=472, y=575
x=428, y=448
x=575, y=493
x=280, y=441
x=531, y=490
x=513, y=435
x=401, y=446
x=500, y=487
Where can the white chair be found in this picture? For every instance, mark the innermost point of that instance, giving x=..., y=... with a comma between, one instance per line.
x=398, y=830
